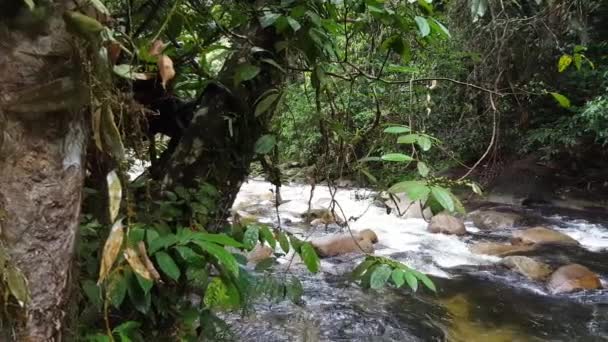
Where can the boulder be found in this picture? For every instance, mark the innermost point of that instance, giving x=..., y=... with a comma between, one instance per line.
x=492, y=219
x=321, y=216
x=500, y=249
x=446, y=224
x=338, y=244
x=532, y=269
x=259, y=253
x=573, y=277
x=541, y=235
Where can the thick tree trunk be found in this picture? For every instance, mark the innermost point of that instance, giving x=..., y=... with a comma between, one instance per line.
x=218, y=145
x=41, y=172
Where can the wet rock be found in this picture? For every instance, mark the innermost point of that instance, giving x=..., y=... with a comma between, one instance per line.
x=344, y=183
x=333, y=245
x=573, y=277
x=500, y=249
x=532, y=269
x=446, y=224
x=492, y=219
x=542, y=235
x=259, y=253
x=321, y=216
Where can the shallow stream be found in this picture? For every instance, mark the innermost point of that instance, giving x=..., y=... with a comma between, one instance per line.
x=477, y=299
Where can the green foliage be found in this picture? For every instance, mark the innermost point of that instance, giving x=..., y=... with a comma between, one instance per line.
x=376, y=272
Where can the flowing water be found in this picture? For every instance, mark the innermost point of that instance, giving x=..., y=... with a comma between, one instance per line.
x=477, y=299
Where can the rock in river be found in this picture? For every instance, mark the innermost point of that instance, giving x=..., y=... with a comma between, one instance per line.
x=500, y=249
x=542, y=235
x=573, y=277
x=492, y=219
x=446, y=224
x=532, y=269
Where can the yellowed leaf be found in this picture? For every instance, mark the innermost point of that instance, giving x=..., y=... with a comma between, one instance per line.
x=147, y=262
x=157, y=48
x=110, y=134
x=17, y=284
x=111, y=249
x=165, y=69
x=114, y=194
x=136, y=264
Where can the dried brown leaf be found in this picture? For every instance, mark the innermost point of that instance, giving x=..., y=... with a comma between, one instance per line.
x=149, y=265
x=114, y=51
x=114, y=194
x=157, y=48
x=136, y=264
x=165, y=69
x=111, y=249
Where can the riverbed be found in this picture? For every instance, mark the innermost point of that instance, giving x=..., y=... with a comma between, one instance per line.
x=477, y=300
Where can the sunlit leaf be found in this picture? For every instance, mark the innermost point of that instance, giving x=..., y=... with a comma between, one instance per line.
x=295, y=25
x=407, y=139
x=424, y=142
x=252, y=234
x=411, y=280
x=114, y=194
x=415, y=190
x=442, y=29
x=396, y=157
x=30, y=4
x=310, y=258
x=99, y=6
x=423, y=26
x=221, y=239
x=564, y=63
x=443, y=196
x=267, y=235
x=396, y=129
x=561, y=100
x=379, y=276
x=423, y=169
x=222, y=255
x=425, y=280
x=398, y=277
x=216, y=293
x=111, y=249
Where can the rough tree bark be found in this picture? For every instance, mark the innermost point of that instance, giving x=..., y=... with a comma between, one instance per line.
x=41, y=167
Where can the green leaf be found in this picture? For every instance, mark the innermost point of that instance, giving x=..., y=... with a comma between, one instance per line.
x=252, y=234
x=561, y=99
x=99, y=6
x=220, y=239
x=268, y=19
x=175, y=25
x=397, y=45
x=264, y=264
x=424, y=142
x=380, y=276
x=425, y=280
x=245, y=72
x=265, y=144
x=295, y=25
x=216, y=294
x=426, y=4
x=396, y=157
x=90, y=289
x=458, y=205
x=578, y=61
x=362, y=268
x=397, y=129
x=415, y=190
x=311, y=260
x=268, y=237
x=127, y=327
x=295, y=290
x=284, y=242
x=423, y=169
x=30, y=4
x=264, y=104
x=398, y=277
x=407, y=139
x=442, y=29
x=476, y=189
x=190, y=256
x=564, y=63
x=167, y=265
x=423, y=26
x=221, y=255
x=273, y=63
x=411, y=280
x=444, y=197
x=117, y=289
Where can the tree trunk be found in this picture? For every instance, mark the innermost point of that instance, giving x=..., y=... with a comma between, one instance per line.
x=218, y=145
x=41, y=168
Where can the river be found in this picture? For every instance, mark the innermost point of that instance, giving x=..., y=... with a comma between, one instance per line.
x=477, y=300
